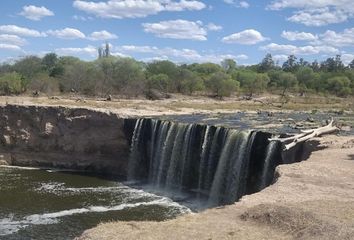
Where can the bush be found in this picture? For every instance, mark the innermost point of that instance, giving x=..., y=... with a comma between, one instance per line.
x=221, y=84
x=11, y=83
x=44, y=83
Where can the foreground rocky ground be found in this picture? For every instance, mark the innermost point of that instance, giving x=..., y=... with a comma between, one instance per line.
x=313, y=199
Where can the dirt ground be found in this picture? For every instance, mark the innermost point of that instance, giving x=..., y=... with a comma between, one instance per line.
x=181, y=104
x=313, y=199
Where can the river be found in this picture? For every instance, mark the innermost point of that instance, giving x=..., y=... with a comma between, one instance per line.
x=50, y=204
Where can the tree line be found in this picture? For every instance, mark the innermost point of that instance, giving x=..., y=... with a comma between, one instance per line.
x=109, y=75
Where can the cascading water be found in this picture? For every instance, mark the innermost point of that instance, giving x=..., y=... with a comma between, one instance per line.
x=219, y=164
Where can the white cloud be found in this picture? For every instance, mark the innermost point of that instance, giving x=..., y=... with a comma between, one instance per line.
x=347, y=58
x=340, y=39
x=177, y=29
x=67, y=33
x=35, y=13
x=240, y=4
x=139, y=49
x=213, y=27
x=181, y=55
x=182, y=5
x=89, y=50
x=20, y=31
x=134, y=8
x=319, y=17
x=296, y=50
x=280, y=57
x=11, y=47
x=82, y=18
x=102, y=35
x=316, y=12
x=298, y=36
x=246, y=37
x=12, y=39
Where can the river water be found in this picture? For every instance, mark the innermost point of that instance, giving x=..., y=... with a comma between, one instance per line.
x=49, y=204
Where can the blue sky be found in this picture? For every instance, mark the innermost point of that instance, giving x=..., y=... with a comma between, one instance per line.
x=183, y=31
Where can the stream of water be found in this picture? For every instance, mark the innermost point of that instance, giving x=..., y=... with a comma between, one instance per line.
x=47, y=204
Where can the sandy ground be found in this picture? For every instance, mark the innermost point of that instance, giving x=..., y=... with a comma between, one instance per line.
x=313, y=199
x=181, y=104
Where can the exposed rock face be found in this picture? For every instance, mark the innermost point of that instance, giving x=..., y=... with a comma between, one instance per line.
x=64, y=138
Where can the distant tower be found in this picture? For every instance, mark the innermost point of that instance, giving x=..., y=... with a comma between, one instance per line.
x=100, y=52
x=107, y=52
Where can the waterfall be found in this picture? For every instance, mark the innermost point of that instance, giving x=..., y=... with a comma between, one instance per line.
x=268, y=167
x=215, y=162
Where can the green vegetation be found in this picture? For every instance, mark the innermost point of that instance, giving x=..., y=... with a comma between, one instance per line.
x=110, y=75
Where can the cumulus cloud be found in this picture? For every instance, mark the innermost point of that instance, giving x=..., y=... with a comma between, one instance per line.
x=67, y=33
x=298, y=36
x=298, y=50
x=182, y=55
x=240, y=4
x=316, y=12
x=89, y=50
x=347, y=58
x=213, y=27
x=20, y=31
x=280, y=57
x=246, y=37
x=102, y=35
x=82, y=18
x=177, y=29
x=11, y=47
x=12, y=39
x=35, y=13
x=340, y=39
x=135, y=8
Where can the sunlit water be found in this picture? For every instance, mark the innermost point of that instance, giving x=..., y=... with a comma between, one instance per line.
x=44, y=204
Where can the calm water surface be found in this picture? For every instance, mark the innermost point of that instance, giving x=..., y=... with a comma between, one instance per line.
x=46, y=204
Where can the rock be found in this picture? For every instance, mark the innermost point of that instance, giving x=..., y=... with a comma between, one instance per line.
x=5, y=159
x=3, y=162
x=7, y=140
x=310, y=119
x=49, y=129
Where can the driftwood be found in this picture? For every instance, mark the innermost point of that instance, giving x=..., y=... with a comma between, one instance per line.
x=305, y=135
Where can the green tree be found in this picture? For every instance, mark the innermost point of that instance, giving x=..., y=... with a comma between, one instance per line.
x=221, y=84
x=158, y=82
x=165, y=67
x=80, y=77
x=129, y=77
x=339, y=85
x=190, y=82
x=267, y=64
x=290, y=65
x=287, y=81
x=252, y=82
x=228, y=65
x=306, y=78
x=44, y=83
x=205, y=70
x=11, y=83
x=50, y=63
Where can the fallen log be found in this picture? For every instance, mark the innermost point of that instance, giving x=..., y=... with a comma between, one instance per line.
x=305, y=135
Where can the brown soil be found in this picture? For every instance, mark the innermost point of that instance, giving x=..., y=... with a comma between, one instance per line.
x=313, y=199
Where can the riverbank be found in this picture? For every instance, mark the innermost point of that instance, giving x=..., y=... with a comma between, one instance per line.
x=181, y=104
x=313, y=199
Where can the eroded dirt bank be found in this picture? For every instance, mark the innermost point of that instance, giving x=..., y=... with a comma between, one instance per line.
x=58, y=137
x=313, y=199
